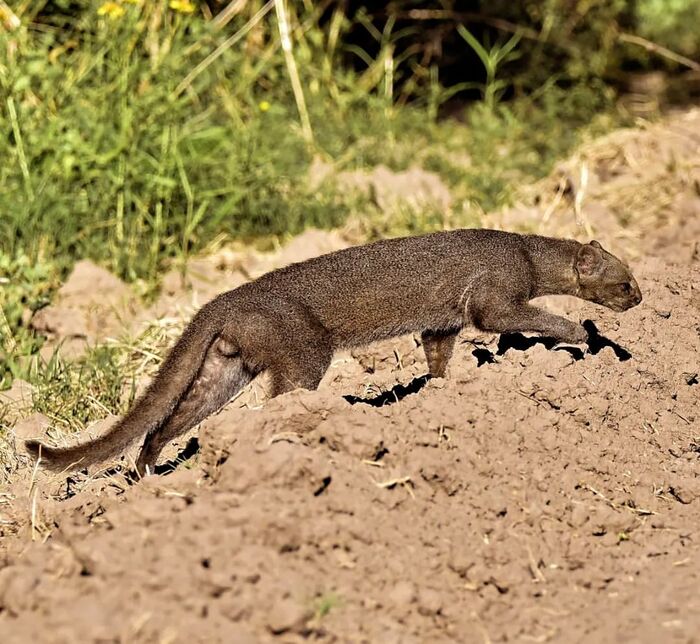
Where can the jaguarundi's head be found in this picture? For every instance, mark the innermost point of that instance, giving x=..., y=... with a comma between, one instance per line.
x=604, y=279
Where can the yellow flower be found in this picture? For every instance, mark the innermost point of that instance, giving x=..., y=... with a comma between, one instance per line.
x=111, y=9
x=182, y=6
x=264, y=106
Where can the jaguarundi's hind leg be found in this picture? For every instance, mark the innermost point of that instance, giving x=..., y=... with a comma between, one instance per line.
x=286, y=340
x=303, y=367
x=300, y=364
x=438, y=347
x=221, y=375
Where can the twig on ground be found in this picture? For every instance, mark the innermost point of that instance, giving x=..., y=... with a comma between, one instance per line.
x=404, y=481
x=617, y=506
x=287, y=437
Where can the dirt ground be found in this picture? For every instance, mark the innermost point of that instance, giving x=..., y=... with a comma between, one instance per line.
x=537, y=494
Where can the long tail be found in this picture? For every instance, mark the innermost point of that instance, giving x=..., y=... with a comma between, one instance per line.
x=153, y=408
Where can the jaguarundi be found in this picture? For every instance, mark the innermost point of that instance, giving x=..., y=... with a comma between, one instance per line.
x=290, y=321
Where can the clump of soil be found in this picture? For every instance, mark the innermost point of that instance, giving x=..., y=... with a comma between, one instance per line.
x=414, y=187
x=91, y=306
x=539, y=493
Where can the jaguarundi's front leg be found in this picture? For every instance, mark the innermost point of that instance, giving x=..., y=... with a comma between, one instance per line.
x=507, y=317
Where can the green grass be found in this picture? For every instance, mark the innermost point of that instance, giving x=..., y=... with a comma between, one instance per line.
x=325, y=603
x=105, y=158
x=75, y=393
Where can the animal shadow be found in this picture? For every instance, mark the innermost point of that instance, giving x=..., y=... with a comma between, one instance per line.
x=187, y=452
x=395, y=394
x=167, y=467
x=597, y=342
x=517, y=341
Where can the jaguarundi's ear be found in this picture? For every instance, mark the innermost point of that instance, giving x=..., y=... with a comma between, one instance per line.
x=589, y=258
x=596, y=244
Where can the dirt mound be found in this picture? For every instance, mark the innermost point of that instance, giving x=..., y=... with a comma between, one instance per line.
x=637, y=189
x=537, y=494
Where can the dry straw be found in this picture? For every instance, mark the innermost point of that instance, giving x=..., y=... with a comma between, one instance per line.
x=285, y=39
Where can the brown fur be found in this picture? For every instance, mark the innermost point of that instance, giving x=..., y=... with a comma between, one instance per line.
x=290, y=321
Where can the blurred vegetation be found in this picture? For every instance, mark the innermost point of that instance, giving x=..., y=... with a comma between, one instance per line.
x=670, y=23
x=139, y=132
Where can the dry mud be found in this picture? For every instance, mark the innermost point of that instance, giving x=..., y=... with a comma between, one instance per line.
x=537, y=494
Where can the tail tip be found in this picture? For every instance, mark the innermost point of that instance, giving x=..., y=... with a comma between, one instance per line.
x=48, y=458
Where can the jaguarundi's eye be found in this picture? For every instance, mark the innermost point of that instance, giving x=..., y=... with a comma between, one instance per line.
x=626, y=288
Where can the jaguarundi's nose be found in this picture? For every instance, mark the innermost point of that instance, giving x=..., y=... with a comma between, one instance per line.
x=637, y=295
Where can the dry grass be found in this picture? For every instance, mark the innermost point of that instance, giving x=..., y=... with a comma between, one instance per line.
x=634, y=173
